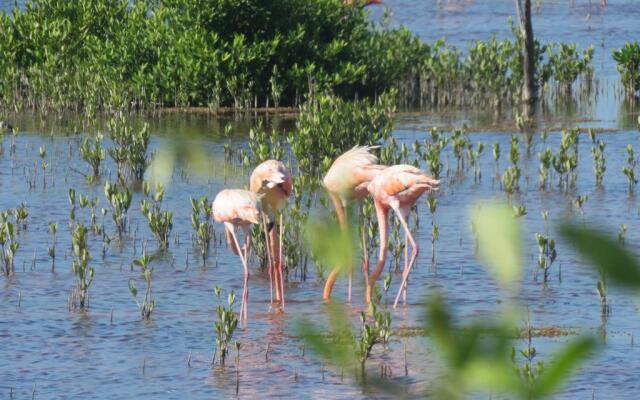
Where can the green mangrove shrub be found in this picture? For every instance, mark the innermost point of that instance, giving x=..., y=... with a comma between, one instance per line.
x=146, y=271
x=79, y=297
x=8, y=243
x=225, y=325
x=328, y=125
x=628, y=60
x=93, y=154
x=160, y=222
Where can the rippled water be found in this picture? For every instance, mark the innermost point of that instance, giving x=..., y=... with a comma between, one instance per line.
x=110, y=352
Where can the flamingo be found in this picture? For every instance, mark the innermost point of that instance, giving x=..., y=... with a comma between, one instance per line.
x=272, y=179
x=238, y=208
x=346, y=180
x=397, y=188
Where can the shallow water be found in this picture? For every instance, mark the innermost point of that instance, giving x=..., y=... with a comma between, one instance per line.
x=110, y=353
x=65, y=354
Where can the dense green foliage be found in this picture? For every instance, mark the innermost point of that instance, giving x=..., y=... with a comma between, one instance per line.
x=101, y=55
x=628, y=59
x=116, y=53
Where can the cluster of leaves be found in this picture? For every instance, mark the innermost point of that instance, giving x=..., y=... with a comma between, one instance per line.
x=328, y=125
x=225, y=325
x=131, y=145
x=160, y=222
x=628, y=59
x=479, y=357
x=201, y=223
x=120, y=201
x=79, y=298
x=148, y=302
x=8, y=242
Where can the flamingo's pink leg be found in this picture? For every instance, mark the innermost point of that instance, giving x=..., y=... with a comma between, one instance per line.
x=414, y=252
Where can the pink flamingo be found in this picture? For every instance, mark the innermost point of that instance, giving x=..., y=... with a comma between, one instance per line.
x=397, y=188
x=238, y=208
x=272, y=179
x=346, y=180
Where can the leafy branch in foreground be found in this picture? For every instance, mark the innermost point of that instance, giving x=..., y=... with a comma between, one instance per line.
x=478, y=357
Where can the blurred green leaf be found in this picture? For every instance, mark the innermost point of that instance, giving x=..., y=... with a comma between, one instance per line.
x=619, y=264
x=498, y=235
x=329, y=244
x=336, y=346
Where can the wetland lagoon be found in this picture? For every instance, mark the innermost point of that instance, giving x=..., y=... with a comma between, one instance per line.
x=118, y=283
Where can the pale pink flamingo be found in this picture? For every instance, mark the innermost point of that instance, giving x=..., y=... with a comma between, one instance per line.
x=239, y=208
x=272, y=179
x=347, y=180
x=397, y=188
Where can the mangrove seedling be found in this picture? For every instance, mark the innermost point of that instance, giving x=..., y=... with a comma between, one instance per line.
x=8, y=243
x=599, y=167
x=146, y=271
x=53, y=231
x=21, y=213
x=372, y=333
x=529, y=371
x=622, y=232
x=120, y=201
x=72, y=204
x=546, y=158
x=629, y=170
x=579, y=201
x=628, y=59
x=201, y=223
x=519, y=210
x=160, y=222
x=79, y=298
x=432, y=202
x=225, y=325
x=547, y=254
x=93, y=153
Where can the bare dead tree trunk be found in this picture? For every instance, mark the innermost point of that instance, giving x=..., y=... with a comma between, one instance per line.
x=528, y=52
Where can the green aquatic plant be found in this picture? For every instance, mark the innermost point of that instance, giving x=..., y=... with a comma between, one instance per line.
x=79, y=297
x=120, y=200
x=629, y=170
x=599, y=163
x=565, y=161
x=71, y=196
x=432, y=202
x=21, y=214
x=225, y=325
x=93, y=154
x=201, y=223
x=546, y=254
x=546, y=159
x=51, y=251
x=622, y=232
x=131, y=148
x=628, y=60
x=519, y=210
x=530, y=371
x=160, y=222
x=146, y=271
x=567, y=65
x=8, y=242
x=328, y=125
